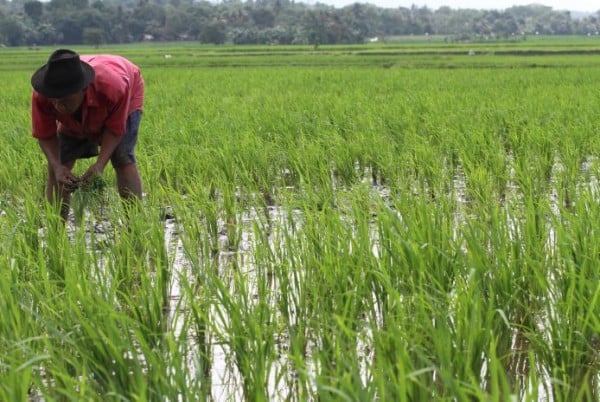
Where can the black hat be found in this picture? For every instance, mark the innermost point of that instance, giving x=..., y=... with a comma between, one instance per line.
x=63, y=75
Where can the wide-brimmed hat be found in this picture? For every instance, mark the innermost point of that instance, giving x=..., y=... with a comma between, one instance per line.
x=63, y=75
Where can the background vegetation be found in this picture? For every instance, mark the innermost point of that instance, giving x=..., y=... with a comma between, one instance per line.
x=33, y=22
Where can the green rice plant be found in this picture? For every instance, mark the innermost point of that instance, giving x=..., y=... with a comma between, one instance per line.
x=533, y=262
x=572, y=154
x=284, y=256
x=490, y=282
x=245, y=324
x=568, y=345
x=90, y=195
x=197, y=322
x=261, y=173
x=96, y=348
x=197, y=293
x=106, y=357
x=337, y=271
x=498, y=382
x=19, y=336
x=314, y=192
x=140, y=273
x=486, y=167
x=39, y=242
x=425, y=264
x=231, y=217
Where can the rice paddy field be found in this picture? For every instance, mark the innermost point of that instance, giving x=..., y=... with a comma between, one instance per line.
x=392, y=222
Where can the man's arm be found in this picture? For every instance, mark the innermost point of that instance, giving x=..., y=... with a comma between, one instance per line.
x=108, y=144
x=62, y=174
x=51, y=150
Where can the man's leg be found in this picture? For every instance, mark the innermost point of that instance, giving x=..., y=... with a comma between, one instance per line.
x=129, y=182
x=123, y=160
x=57, y=193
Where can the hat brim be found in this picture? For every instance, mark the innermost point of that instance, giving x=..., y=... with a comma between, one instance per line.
x=37, y=81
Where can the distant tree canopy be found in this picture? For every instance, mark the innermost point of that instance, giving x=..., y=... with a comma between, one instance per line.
x=28, y=22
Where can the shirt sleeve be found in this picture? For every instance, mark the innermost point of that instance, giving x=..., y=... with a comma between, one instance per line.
x=43, y=119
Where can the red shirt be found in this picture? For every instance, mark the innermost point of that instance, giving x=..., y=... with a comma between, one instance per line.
x=116, y=91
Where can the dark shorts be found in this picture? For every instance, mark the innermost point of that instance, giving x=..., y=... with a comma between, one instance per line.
x=72, y=148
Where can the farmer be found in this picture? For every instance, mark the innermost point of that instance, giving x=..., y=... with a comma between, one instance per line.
x=83, y=107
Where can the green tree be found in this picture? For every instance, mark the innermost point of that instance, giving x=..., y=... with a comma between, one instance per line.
x=180, y=25
x=262, y=17
x=265, y=21
x=46, y=34
x=12, y=30
x=213, y=32
x=560, y=23
x=148, y=19
x=61, y=6
x=34, y=10
x=92, y=36
x=69, y=28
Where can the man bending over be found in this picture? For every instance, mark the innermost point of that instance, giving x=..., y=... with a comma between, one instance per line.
x=82, y=107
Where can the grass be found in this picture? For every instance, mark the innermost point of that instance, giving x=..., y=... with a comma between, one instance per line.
x=338, y=231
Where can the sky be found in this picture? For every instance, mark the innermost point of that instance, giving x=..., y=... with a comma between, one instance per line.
x=571, y=5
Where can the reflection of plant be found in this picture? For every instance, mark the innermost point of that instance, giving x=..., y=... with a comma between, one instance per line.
x=90, y=193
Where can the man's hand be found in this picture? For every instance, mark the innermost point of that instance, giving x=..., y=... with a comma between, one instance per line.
x=65, y=178
x=94, y=170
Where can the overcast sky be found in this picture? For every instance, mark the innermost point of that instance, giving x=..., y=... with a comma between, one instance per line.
x=571, y=5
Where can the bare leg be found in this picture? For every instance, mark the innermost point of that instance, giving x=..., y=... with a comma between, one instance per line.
x=56, y=192
x=129, y=182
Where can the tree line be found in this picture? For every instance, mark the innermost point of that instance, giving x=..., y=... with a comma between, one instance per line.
x=69, y=22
